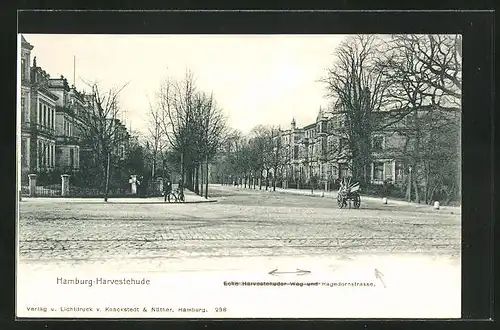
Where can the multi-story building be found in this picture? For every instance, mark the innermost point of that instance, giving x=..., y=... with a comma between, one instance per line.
x=67, y=148
x=25, y=111
x=53, y=132
x=322, y=149
x=121, y=139
x=42, y=121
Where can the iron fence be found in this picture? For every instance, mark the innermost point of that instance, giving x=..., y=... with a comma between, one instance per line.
x=42, y=191
x=154, y=189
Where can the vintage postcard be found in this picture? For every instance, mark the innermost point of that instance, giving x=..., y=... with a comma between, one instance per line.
x=239, y=176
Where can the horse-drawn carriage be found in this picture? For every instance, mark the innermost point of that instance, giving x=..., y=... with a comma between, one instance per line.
x=348, y=193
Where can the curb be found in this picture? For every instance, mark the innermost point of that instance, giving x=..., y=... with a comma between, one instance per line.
x=123, y=202
x=391, y=204
x=165, y=203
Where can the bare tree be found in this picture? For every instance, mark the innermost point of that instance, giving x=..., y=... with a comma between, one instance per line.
x=155, y=140
x=260, y=151
x=176, y=104
x=211, y=130
x=425, y=73
x=101, y=129
x=358, y=88
x=280, y=154
x=193, y=125
x=231, y=147
x=238, y=157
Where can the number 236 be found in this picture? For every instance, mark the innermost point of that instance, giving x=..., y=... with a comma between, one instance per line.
x=220, y=309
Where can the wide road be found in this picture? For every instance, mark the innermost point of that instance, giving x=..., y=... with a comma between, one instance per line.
x=189, y=251
x=242, y=223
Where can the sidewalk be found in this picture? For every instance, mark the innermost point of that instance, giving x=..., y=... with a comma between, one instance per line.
x=190, y=198
x=333, y=194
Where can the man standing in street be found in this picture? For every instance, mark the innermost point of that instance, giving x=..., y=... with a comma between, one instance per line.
x=167, y=190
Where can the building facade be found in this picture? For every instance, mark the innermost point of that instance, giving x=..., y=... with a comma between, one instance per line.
x=25, y=111
x=321, y=149
x=42, y=121
x=67, y=138
x=54, y=135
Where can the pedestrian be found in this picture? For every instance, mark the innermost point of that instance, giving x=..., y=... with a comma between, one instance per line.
x=167, y=189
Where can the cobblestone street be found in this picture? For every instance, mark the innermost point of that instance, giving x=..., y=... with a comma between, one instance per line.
x=185, y=249
x=242, y=223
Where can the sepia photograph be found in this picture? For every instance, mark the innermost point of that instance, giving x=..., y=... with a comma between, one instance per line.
x=239, y=176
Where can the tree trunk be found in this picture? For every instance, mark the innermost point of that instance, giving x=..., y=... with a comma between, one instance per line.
x=426, y=189
x=206, y=184
x=201, y=179
x=274, y=178
x=153, y=170
x=197, y=179
x=408, y=187
x=106, y=189
x=417, y=196
x=182, y=172
x=431, y=194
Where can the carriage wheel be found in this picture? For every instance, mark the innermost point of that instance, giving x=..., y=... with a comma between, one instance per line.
x=169, y=197
x=357, y=201
x=340, y=201
x=181, y=197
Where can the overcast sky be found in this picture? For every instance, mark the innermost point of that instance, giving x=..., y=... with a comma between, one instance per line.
x=256, y=79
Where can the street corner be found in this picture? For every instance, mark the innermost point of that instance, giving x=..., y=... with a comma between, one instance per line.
x=193, y=198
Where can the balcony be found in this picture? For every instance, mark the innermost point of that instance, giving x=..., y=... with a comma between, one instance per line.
x=65, y=109
x=67, y=140
x=25, y=127
x=43, y=130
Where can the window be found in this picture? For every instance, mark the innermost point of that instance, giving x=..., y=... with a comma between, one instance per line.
x=52, y=119
x=343, y=170
x=23, y=110
x=40, y=113
x=42, y=154
x=378, y=171
x=24, y=158
x=333, y=171
x=58, y=153
x=378, y=143
x=39, y=153
x=44, y=115
x=295, y=152
x=399, y=171
x=23, y=69
x=51, y=155
x=71, y=157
